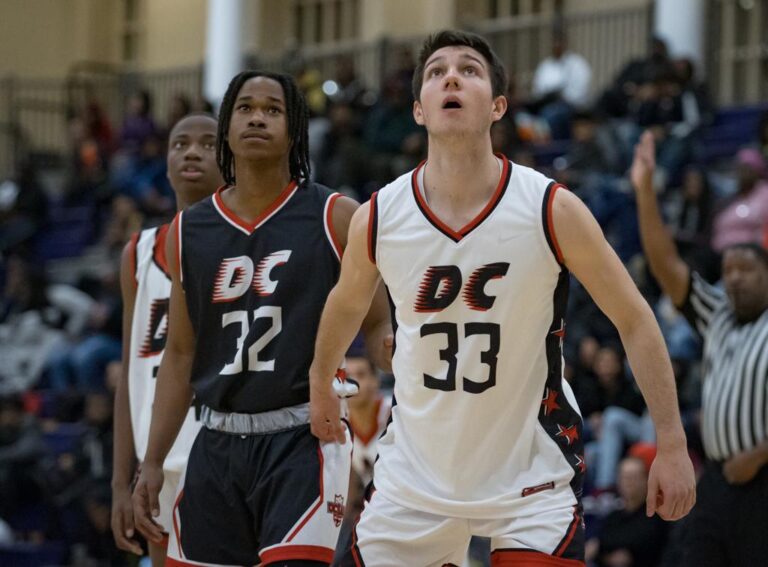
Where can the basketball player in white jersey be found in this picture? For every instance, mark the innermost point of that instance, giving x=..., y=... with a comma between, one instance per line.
x=476, y=252
x=146, y=288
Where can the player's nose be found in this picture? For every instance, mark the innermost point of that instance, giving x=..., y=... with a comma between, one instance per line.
x=451, y=79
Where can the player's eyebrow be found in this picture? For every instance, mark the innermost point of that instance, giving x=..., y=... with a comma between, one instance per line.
x=441, y=58
x=249, y=98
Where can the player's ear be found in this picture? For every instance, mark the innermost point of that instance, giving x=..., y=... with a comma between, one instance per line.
x=418, y=113
x=499, y=107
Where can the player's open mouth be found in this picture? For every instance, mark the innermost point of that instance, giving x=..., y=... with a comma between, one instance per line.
x=191, y=172
x=451, y=103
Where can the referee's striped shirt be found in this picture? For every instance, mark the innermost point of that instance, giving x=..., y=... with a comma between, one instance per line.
x=735, y=372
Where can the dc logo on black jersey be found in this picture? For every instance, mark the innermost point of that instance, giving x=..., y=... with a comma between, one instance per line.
x=154, y=341
x=237, y=275
x=441, y=285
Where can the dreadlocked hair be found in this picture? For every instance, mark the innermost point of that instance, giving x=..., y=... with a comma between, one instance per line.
x=297, y=114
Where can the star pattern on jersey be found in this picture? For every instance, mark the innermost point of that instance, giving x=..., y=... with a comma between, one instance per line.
x=568, y=433
x=560, y=333
x=549, y=402
x=580, y=464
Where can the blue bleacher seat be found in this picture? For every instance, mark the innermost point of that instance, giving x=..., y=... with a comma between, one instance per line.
x=34, y=555
x=64, y=438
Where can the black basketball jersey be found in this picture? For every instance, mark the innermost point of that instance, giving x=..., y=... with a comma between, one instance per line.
x=255, y=293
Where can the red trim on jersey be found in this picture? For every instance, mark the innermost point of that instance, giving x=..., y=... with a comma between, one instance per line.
x=176, y=227
x=158, y=250
x=526, y=558
x=373, y=424
x=550, y=225
x=372, y=229
x=251, y=226
x=320, y=502
x=571, y=532
x=294, y=552
x=132, y=250
x=329, y=223
x=481, y=216
x=176, y=529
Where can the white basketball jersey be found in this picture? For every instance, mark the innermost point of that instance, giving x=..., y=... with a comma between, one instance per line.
x=482, y=417
x=365, y=449
x=148, y=333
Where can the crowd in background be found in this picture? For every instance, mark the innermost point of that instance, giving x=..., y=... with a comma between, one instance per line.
x=60, y=341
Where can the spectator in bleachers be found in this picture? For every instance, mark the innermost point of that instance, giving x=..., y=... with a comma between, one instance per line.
x=88, y=164
x=148, y=184
x=593, y=152
x=390, y=121
x=31, y=324
x=613, y=412
x=20, y=446
x=139, y=124
x=690, y=208
x=561, y=86
x=629, y=538
x=615, y=100
x=343, y=161
x=744, y=216
x=83, y=365
x=179, y=107
x=350, y=88
x=23, y=209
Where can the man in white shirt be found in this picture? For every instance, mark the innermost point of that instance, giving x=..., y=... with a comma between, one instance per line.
x=561, y=84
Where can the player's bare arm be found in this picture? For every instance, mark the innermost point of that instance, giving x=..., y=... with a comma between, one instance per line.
x=377, y=324
x=173, y=396
x=666, y=265
x=124, y=456
x=346, y=307
x=586, y=253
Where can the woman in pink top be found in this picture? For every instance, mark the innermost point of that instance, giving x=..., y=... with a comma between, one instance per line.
x=745, y=216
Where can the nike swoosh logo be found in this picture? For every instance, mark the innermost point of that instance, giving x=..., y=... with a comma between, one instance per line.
x=508, y=237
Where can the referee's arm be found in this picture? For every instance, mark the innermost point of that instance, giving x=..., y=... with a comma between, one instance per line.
x=667, y=267
x=586, y=253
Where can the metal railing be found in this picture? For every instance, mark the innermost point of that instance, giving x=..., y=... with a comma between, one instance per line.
x=34, y=113
x=607, y=39
x=738, y=51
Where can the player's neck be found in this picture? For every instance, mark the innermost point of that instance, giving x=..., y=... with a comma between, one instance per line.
x=256, y=188
x=460, y=172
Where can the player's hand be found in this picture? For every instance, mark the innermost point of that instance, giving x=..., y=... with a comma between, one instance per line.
x=644, y=163
x=146, y=505
x=743, y=467
x=122, y=521
x=671, y=485
x=325, y=415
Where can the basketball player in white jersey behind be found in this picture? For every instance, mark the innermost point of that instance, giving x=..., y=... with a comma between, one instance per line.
x=476, y=254
x=146, y=288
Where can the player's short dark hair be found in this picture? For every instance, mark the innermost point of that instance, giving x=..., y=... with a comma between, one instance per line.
x=193, y=114
x=759, y=251
x=297, y=114
x=455, y=38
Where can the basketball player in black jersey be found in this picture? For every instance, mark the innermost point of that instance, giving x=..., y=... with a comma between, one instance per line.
x=251, y=269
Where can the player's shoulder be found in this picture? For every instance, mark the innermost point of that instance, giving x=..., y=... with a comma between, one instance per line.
x=395, y=188
x=203, y=207
x=530, y=176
